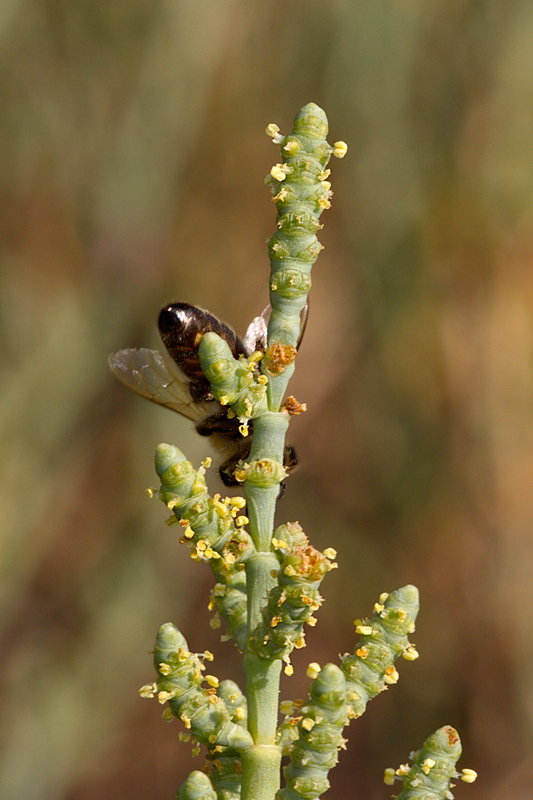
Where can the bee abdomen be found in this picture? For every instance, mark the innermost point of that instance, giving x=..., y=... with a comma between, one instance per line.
x=182, y=327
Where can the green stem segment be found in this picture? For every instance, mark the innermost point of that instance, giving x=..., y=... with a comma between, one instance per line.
x=261, y=766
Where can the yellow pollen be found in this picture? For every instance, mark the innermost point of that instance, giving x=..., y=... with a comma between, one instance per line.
x=237, y=502
x=212, y=680
x=364, y=630
x=469, y=775
x=272, y=129
x=278, y=172
x=388, y=776
x=313, y=670
x=330, y=553
x=391, y=676
x=289, y=669
x=340, y=149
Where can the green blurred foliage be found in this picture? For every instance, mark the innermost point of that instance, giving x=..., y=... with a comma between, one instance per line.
x=132, y=167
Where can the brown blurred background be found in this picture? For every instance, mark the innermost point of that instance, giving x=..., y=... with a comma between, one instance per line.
x=131, y=174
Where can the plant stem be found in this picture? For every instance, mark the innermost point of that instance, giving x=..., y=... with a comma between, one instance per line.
x=261, y=763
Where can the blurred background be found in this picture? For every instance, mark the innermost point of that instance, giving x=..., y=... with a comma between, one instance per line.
x=131, y=174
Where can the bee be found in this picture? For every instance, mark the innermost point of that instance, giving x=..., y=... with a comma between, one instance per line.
x=174, y=378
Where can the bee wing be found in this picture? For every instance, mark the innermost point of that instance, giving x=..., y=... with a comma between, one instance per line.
x=256, y=333
x=152, y=375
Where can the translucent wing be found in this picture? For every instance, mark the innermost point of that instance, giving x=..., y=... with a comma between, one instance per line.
x=256, y=334
x=152, y=375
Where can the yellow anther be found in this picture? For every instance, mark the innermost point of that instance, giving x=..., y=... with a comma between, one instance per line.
x=171, y=520
x=171, y=504
x=313, y=670
x=256, y=357
x=148, y=690
x=243, y=430
x=427, y=765
x=207, y=462
x=224, y=400
x=308, y=724
x=164, y=696
x=240, y=714
x=212, y=680
x=312, y=621
x=272, y=129
x=299, y=643
x=326, y=185
x=324, y=175
x=340, y=149
x=230, y=413
x=201, y=546
x=240, y=475
x=288, y=669
x=230, y=558
x=215, y=622
x=468, y=775
x=237, y=502
x=403, y=769
x=196, y=750
x=164, y=668
x=388, y=776
x=290, y=571
x=362, y=652
x=277, y=544
x=378, y=608
x=184, y=737
x=188, y=533
x=262, y=380
x=279, y=172
x=167, y=715
x=391, y=676
x=242, y=520
x=410, y=653
x=383, y=596
x=208, y=655
x=210, y=553
x=363, y=630
x=330, y=553
x=286, y=707
x=151, y=492
x=324, y=202
x=275, y=621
